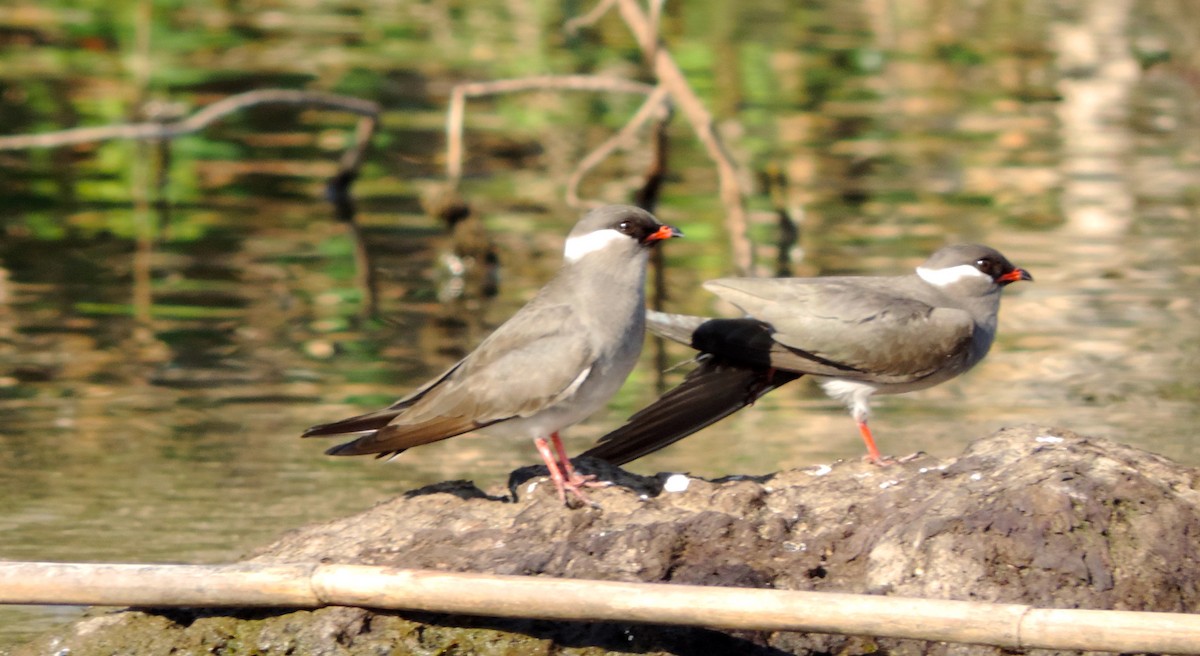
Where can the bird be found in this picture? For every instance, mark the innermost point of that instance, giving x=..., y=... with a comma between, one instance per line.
x=858, y=336
x=560, y=358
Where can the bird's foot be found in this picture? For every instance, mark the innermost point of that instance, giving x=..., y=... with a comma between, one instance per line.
x=563, y=473
x=574, y=482
x=873, y=456
x=576, y=490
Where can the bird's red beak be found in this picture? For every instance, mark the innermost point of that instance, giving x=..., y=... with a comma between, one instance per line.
x=1014, y=275
x=665, y=232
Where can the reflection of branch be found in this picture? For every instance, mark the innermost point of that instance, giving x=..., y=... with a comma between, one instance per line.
x=644, y=113
x=789, y=232
x=647, y=199
x=160, y=130
x=670, y=76
x=193, y=123
x=338, y=189
x=587, y=20
x=454, y=117
x=352, y=158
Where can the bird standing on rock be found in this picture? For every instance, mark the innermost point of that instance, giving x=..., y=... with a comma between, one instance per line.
x=859, y=335
x=557, y=360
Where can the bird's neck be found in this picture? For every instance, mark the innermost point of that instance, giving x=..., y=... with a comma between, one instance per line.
x=609, y=294
x=985, y=311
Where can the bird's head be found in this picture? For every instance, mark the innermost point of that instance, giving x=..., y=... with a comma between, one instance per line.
x=970, y=269
x=615, y=229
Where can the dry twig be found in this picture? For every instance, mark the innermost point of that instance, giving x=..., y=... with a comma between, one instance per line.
x=158, y=130
x=692, y=108
x=458, y=100
x=654, y=105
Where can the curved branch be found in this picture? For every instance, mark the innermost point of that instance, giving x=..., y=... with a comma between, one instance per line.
x=591, y=18
x=670, y=76
x=457, y=109
x=337, y=188
x=195, y=122
x=657, y=100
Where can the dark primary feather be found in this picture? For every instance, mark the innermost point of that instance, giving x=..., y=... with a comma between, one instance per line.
x=739, y=365
x=712, y=391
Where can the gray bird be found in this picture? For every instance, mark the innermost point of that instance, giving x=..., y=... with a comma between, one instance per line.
x=859, y=336
x=557, y=360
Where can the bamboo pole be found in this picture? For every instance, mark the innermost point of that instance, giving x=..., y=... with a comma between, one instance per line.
x=1014, y=626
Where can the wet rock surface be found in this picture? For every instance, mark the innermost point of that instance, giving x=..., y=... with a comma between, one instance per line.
x=1029, y=515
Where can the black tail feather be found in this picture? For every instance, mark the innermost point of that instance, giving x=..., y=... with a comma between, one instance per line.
x=712, y=391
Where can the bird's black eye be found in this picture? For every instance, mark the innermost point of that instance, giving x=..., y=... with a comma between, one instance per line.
x=986, y=265
x=625, y=227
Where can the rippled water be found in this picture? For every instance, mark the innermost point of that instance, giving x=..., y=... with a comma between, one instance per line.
x=152, y=390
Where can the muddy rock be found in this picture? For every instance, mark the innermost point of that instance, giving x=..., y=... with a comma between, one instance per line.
x=1029, y=515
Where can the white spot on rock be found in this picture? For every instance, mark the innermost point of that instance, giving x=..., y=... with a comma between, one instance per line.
x=676, y=483
x=1048, y=439
x=819, y=470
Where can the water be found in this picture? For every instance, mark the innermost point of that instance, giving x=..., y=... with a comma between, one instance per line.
x=156, y=368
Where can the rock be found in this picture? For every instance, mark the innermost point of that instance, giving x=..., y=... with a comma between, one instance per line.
x=1028, y=515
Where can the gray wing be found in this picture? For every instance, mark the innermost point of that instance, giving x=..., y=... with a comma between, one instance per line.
x=530, y=363
x=534, y=360
x=854, y=324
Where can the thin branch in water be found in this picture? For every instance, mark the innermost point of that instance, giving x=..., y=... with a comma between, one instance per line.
x=657, y=104
x=163, y=130
x=647, y=198
x=656, y=173
x=776, y=183
x=458, y=99
x=670, y=76
x=337, y=189
x=589, y=19
x=194, y=123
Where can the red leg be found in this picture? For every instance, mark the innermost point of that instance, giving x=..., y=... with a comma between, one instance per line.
x=561, y=472
x=561, y=451
x=872, y=452
x=555, y=474
x=568, y=468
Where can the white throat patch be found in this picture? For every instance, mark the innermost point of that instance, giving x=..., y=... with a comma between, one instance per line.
x=950, y=275
x=579, y=246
